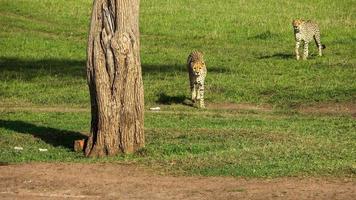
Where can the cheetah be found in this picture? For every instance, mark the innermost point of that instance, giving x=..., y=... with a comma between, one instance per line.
x=306, y=31
x=197, y=73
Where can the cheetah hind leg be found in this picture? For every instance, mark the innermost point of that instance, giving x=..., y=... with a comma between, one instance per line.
x=318, y=44
x=306, y=51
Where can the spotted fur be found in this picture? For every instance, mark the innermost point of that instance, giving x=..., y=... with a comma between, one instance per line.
x=197, y=73
x=306, y=31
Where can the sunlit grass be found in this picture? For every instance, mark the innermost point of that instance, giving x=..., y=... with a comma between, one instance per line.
x=256, y=144
x=248, y=46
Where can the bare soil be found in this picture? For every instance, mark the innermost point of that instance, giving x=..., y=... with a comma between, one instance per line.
x=239, y=106
x=330, y=108
x=115, y=181
x=319, y=108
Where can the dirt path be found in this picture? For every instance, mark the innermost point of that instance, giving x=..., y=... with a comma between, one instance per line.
x=113, y=181
x=321, y=108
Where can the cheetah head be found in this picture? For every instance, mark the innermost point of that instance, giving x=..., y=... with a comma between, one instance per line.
x=198, y=67
x=296, y=24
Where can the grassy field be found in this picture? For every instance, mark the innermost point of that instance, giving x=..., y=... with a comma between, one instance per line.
x=248, y=47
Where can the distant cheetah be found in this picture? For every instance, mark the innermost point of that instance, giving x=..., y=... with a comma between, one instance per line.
x=306, y=31
x=197, y=73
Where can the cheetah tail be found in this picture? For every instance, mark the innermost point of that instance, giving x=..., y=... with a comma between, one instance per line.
x=323, y=46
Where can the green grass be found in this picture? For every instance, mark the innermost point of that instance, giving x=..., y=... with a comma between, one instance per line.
x=228, y=143
x=248, y=47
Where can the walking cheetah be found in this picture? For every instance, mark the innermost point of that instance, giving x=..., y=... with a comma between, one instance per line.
x=306, y=31
x=197, y=73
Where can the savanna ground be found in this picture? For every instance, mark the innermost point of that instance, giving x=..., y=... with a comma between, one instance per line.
x=274, y=127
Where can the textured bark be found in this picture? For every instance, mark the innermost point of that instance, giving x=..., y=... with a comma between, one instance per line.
x=114, y=79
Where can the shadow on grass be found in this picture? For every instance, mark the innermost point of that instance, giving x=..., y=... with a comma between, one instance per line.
x=148, y=68
x=52, y=136
x=279, y=56
x=28, y=69
x=163, y=98
x=267, y=35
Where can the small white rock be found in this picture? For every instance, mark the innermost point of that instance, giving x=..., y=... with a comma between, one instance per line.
x=42, y=149
x=18, y=148
x=155, y=108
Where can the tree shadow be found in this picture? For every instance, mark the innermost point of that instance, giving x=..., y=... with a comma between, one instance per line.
x=52, y=136
x=278, y=55
x=28, y=69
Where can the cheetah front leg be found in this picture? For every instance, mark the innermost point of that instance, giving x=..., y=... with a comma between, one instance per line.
x=306, y=50
x=297, y=44
x=193, y=90
x=200, y=96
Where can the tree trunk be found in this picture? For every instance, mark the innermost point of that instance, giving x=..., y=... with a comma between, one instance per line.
x=115, y=79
